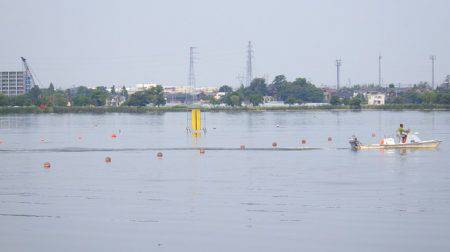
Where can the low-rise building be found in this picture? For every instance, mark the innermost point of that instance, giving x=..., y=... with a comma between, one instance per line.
x=376, y=98
x=219, y=95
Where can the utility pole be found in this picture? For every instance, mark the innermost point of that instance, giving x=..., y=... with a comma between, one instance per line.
x=249, y=76
x=432, y=58
x=338, y=72
x=380, y=80
x=191, y=79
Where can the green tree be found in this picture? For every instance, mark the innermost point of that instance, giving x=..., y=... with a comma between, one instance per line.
x=256, y=99
x=334, y=100
x=291, y=101
x=99, y=96
x=35, y=93
x=113, y=90
x=139, y=98
x=275, y=88
x=257, y=86
x=235, y=100
x=355, y=103
x=20, y=100
x=156, y=96
x=51, y=89
x=429, y=97
x=124, y=92
x=4, y=101
x=59, y=99
x=226, y=89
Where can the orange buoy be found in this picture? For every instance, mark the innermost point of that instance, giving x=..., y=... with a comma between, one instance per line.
x=330, y=139
x=274, y=144
x=113, y=135
x=202, y=151
x=47, y=165
x=242, y=147
x=159, y=155
x=303, y=141
x=108, y=160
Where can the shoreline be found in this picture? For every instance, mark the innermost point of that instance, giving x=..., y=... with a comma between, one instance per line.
x=126, y=109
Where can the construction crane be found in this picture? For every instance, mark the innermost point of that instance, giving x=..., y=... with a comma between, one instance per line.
x=29, y=76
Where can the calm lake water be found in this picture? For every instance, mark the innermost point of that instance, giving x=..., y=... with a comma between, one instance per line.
x=331, y=199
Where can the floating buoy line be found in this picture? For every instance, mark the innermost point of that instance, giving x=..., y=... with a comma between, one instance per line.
x=199, y=149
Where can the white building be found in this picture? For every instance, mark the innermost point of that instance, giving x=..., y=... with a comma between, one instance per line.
x=143, y=87
x=13, y=83
x=376, y=98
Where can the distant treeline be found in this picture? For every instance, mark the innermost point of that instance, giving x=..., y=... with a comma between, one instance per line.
x=83, y=96
x=296, y=92
x=280, y=89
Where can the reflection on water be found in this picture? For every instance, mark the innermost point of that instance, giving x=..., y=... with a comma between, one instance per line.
x=226, y=199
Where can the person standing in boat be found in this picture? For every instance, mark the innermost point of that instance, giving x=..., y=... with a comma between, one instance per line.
x=402, y=133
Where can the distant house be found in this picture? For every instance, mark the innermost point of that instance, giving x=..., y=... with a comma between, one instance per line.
x=327, y=93
x=268, y=99
x=376, y=98
x=115, y=101
x=219, y=95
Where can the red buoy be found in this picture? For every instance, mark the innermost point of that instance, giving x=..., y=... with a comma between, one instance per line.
x=159, y=155
x=274, y=144
x=330, y=139
x=202, y=151
x=242, y=147
x=113, y=135
x=303, y=141
x=108, y=160
x=47, y=165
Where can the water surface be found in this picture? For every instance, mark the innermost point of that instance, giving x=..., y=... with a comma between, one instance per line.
x=331, y=199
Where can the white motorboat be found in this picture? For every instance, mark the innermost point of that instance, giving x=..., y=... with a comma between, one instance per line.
x=412, y=141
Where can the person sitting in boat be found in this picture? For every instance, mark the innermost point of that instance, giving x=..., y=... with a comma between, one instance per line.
x=402, y=133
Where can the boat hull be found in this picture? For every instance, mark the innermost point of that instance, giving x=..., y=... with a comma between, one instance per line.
x=419, y=145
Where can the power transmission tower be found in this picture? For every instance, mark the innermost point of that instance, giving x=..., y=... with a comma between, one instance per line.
x=432, y=58
x=191, y=78
x=338, y=72
x=380, y=80
x=249, y=76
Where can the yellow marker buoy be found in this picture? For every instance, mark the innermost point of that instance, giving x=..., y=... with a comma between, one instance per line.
x=196, y=122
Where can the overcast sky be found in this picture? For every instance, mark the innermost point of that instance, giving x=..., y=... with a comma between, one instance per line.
x=127, y=42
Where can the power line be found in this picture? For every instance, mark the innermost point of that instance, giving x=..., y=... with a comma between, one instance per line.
x=433, y=59
x=338, y=72
x=249, y=76
x=191, y=78
x=380, y=80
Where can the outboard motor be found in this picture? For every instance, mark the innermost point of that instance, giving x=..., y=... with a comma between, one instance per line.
x=354, y=143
